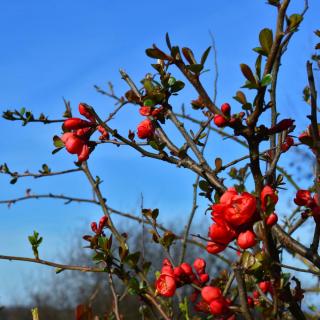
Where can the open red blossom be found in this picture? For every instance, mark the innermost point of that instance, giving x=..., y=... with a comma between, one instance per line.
x=268, y=196
x=221, y=233
x=166, y=285
x=215, y=248
x=145, y=129
x=235, y=209
x=199, y=265
x=303, y=197
x=246, y=239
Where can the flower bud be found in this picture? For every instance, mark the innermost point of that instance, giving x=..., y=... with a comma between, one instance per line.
x=265, y=286
x=204, y=277
x=210, y=293
x=76, y=123
x=268, y=197
x=145, y=129
x=303, y=197
x=218, y=306
x=220, y=121
x=272, y=219
x=226, y=109
x=85, y=111
x=215, y=248
x=246, y=239
x=145, y=110
x=199, y=265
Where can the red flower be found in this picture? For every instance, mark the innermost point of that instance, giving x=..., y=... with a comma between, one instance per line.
x=220, y=121
x=204, y=277
x=221, y=233
x=219, y=306
x=104, y=133
x=303, y=197
x=145, y=129
x=76, y=145
x=145, y=110
x=226, y=108
x=199, y=265
x=246, y=239
x=265, y=286
x=166, y=285
x=268, y=196
x=235, y=209
x=210, y=293
x=84, y=110
x=272, y=219
x=215, y=248
x=76, y=123
x=282, y=125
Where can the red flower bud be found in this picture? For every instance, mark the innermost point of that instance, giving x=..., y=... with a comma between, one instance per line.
x=84, y=154
x=204, y=277
x=256, y=294
x=145, y=110
x=284, y=124
x=268, y=196
x=220, y=121
x=94, y=227
x=226, y=109
x=265, y=286
x=72, y=142
x=104, y=133
x=303, y=197
x=186, y=268
x=221, y=233
x=246, y=239
x=145, y=129
x=210, y=293
x=85, y=111
x=272, y=219
x=103, y=222
x=166, y=262
x=215, y=248
x=199, y=265
x=218, y=306
x=250, y=302
x=76, y=123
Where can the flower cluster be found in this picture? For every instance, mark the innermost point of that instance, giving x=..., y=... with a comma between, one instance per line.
x=145, y=129
x=77, y=133
x=222, y=120
x=207, y=299
x=234, y=216
x=304, y=198
x=172, y=278
x=102, y=224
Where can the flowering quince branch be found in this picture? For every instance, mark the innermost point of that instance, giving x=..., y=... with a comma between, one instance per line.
x=254, y=285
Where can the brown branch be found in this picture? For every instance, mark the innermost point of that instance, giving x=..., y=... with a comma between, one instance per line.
x=115, y=297
x=53, y=264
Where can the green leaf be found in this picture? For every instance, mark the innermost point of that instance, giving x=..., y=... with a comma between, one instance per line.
x=188, y=54
x=171, y=81
x=177, y=86
x=14, y=180
x=57, y=142
x=266, y=39
x=22, y=111
x=294, y=21
x=205, y=56
x=258, y=66
x=260, y=51
x=56, y=150
x=156, y=54
x=204, y=185
x=240, y=97
x=168, y=41
x=267, y=79
x=195, y=68
x=247, y=73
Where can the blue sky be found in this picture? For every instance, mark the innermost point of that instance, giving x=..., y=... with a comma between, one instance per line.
x=54, y=49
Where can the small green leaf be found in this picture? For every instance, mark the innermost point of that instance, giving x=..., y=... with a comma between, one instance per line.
x=294, y=21
x=195, y=68
x=57, y=142
x=205, y=56
x=204, y=185
x=267, y=79
x=247, y=73
x=22, y=111
x=188, y=54
x=240, y=97
x=177, y=86
x=14, y=180
x=156, y=54
x=266, y=39
x=171, y=81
